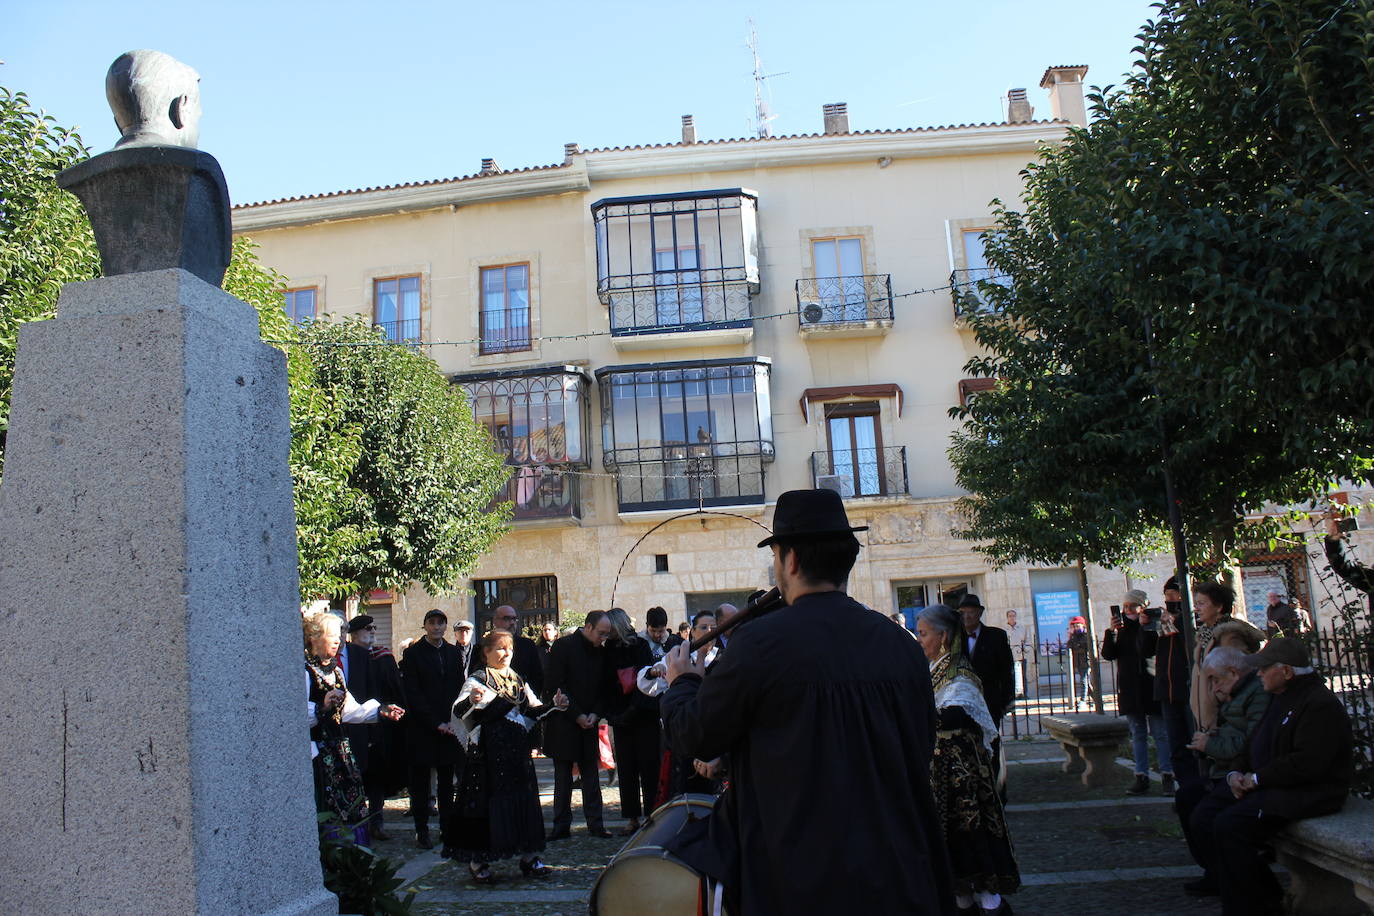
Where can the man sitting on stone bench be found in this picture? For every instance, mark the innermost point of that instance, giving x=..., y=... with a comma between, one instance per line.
x=1299, y=765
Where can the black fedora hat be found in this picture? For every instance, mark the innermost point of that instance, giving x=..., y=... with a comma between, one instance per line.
x=804, y=514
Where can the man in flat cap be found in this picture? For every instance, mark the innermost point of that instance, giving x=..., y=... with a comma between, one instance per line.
x=1298, y=764
x=819, y=732
x=370, y=672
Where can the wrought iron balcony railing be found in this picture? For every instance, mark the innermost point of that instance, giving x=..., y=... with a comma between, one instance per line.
x=505, y=330
x=968, y=295
x=683, y=477
x=678, y=300
x=860, y=472
x=844, y=300
x=401, y=331
x=542, y=491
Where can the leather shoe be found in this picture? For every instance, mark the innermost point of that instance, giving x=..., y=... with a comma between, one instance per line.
x=559, y=835
x=422, y=839
x=600, y=832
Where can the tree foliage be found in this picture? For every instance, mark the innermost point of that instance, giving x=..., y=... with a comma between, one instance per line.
x=427, y=471
x=1222, y=194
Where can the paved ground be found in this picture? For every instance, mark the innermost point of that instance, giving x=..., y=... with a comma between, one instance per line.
x=1085, y=852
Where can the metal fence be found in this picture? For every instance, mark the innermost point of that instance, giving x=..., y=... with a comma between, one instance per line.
x=1344, y=655
x=1045, y=686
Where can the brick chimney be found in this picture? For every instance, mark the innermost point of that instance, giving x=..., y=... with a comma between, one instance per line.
x=1066, y=93
x=489, y=167
x=836, y=116
x=1019, y=110
x=689, y=129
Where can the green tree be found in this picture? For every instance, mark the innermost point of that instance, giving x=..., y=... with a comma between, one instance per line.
x=1219, y=194
x=427, y=472
x=45, y=239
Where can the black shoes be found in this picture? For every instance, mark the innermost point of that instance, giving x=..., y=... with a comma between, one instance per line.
x=1167, y=780
x=559, y=835
x=422, y=839
x=599, y=832
x=534, y=868
x=482, y=874
x=1141, y=785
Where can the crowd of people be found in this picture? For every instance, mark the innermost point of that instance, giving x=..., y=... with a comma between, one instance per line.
x=1245, y=734
x=1247, y=737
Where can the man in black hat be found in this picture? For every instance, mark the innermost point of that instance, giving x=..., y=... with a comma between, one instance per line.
x=820, y=733
x=371, y=674
x=989, y=652
x=1299, y=763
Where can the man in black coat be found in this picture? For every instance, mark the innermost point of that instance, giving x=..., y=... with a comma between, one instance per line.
x=1133, y=647
x=989, y=652
x=526, y=659
x=465, y=641
x=821, y=733
x=1300, y=764
x=577, y=667
x=432, y=672
x=371, y=674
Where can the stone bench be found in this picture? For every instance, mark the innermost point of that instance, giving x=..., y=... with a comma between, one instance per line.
x=1091, y=743
x=1331, y=861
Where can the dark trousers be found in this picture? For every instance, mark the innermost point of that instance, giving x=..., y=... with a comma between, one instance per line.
x=588, y=760
x=419, y=794
x=1179, y=727
x=1186, y=800
x=1232, y=840
x=636, y=761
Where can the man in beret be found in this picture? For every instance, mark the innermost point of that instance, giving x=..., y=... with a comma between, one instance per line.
x=370, y=672
x=1298, y=764
x=819, y=732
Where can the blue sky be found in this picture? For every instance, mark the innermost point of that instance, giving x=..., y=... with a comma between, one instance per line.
x=305, y=97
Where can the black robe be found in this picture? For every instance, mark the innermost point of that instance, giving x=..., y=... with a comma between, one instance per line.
x=432, y=677
x=830, y=743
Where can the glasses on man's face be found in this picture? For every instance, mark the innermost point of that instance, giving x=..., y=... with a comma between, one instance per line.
x=371, y=627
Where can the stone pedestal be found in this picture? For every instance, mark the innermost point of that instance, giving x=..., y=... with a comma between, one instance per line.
x=152, y=703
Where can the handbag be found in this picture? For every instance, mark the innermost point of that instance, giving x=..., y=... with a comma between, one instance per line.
x=627, y=680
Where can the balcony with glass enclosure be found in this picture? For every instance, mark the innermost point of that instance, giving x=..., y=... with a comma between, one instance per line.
x=538, y=419
x=687, y=435
x=678, y=269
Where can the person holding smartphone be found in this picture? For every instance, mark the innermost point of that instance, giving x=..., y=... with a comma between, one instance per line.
x=1133, y=647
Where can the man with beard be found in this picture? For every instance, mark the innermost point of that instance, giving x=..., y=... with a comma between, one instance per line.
x=371, y=674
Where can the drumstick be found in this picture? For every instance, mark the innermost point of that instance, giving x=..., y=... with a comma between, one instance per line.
x=760, y=603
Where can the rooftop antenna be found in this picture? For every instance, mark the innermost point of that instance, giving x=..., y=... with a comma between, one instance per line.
x=762, y=114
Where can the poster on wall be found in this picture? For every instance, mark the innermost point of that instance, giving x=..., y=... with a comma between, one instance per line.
x=1257, y=586
x=1053, y=610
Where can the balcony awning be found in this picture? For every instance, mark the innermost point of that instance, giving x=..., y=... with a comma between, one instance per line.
x=811, y=395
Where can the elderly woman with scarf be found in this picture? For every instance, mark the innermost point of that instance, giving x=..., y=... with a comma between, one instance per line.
x=1214, y=603
x=338, y=781
x=962, y=775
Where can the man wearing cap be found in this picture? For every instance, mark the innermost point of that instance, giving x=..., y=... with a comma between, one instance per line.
x=372, y=675
x=433, y=673
x=1131, y=645
x=822, y=733
x=1299, y=764
x=467, y=648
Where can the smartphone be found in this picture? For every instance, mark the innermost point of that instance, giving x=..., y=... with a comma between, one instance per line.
x=1348, y=524
x=1116, y=615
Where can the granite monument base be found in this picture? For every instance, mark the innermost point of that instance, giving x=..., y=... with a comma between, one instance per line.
x=152, y=705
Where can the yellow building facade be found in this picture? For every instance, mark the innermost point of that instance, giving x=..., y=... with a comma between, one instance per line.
x=664, y=338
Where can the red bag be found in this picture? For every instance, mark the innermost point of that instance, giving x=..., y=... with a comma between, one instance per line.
x=603, y=740
x=627, y=680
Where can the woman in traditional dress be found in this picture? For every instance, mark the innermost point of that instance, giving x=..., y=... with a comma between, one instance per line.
x=338, y=782
x=497, y=813
x=961, y=772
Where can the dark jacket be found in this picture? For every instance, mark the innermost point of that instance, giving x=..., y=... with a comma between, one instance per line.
x=632, y=708
x=1171, y=668
x=1302, y=750
x=370, y=677
x=822, y=733
x=1132, y=647
x=1358, y=575
x=431, y=678
x=991, y=660
x=1236, y=722
x=526, y=659
x=578, y=669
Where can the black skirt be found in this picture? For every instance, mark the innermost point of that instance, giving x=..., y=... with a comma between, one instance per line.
x=497, y=813
x=970, y=811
